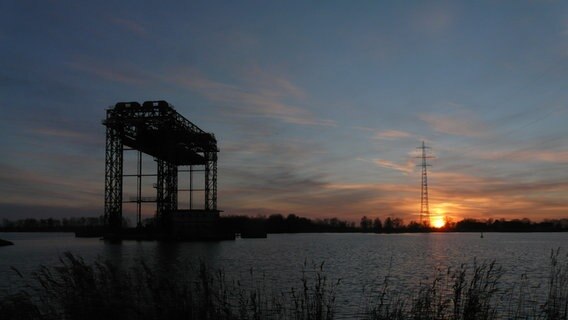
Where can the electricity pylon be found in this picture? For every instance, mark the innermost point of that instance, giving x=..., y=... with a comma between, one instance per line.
x=424, y=209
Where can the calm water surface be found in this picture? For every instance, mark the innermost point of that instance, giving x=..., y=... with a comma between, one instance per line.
x=361, y=261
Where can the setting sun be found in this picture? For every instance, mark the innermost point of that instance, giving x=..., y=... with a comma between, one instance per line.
x=437, y=221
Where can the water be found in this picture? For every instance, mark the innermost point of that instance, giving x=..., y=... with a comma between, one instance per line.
x=361, y=261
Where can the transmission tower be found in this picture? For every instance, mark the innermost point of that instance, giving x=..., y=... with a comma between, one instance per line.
x=424, y=209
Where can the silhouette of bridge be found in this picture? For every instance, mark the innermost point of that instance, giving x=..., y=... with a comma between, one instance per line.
x=177, y=145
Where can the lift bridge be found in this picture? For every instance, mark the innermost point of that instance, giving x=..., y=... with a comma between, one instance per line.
x=177, y=145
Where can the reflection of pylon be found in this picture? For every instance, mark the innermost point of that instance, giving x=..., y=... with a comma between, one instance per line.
x=424, y=209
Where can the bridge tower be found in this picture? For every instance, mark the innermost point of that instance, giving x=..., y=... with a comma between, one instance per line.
x=155, y=128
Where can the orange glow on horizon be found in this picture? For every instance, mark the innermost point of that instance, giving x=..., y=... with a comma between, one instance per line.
x=440, y=217
x=437, y=221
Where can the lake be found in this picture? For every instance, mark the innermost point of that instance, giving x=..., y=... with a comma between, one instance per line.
x=361, y=261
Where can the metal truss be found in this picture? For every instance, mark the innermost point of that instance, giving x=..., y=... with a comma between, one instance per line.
x=156, y=129
x=211, y=181
x=166, y=189
x=113, y=179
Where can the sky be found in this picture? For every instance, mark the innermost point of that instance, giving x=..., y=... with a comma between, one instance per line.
x=318, y=106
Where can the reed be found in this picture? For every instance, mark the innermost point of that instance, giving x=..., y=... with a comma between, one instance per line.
x=76, y=289
x=474, y=293
x=556, y=306
x=101, y=290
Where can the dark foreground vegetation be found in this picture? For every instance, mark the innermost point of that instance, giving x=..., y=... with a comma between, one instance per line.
x=292, y=223
x=102, y=290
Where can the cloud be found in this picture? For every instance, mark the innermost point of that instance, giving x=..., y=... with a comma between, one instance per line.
x=548, y=156
x=289, y=186
x=63, y=134
x=130, y=25
x=269, y=172
x=391, y=134
x=384, y=200
x=82, y=136
x=367, y=129
x=37, y=188
x=475, y=196
x=289, y=150
x=432, y=18
x=267, y=97
x=109, y=73
x=273, y=85
x=460, y=126
x=405, y=168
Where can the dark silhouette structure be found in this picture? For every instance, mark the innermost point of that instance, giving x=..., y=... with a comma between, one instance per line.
x=424, y=208
x=155, y=128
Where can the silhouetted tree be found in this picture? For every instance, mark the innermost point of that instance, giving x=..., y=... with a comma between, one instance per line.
x=366, y=224
x=414, y=226
x=377, y=225
x=275, y=224
x=388, y=225
x=472, y=225
x=397, y=223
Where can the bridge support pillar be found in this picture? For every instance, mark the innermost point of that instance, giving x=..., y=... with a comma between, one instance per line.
x=113, y=179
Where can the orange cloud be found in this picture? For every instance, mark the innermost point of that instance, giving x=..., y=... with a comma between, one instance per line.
x=493, y=197
x=24, y=186
x=405, y=168
x=550, y=156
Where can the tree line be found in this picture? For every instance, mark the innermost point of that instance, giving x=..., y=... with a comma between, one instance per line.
x=51, y=224
x=278, y=223
x=291, y=223
x=396, y=225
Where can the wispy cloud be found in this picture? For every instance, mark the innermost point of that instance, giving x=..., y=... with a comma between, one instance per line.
x=475, y=196
x=290, y=150
x=549, y=156
x=130, y=25
x=460, y=126
x=38, y=188
x=273, y=84
x=107, y=72
x=405, y=168
x=432, y=18
x=366, y=129
x=268, y=97
x=391, y=134
x=69, y=135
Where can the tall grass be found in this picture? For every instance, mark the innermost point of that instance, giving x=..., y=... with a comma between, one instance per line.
x=474, y=293
x=556, y=306
x=453, y=294
x=101, y=290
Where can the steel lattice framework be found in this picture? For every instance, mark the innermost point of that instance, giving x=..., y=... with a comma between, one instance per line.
x=424, y=207
x=156, y=129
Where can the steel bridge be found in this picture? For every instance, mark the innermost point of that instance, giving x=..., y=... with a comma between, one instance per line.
x=155, y=128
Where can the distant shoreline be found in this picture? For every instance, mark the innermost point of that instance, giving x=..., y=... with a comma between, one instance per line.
x=307, y=232
x=277, y=223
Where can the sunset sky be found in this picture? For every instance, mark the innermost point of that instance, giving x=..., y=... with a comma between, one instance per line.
x=318, y=106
